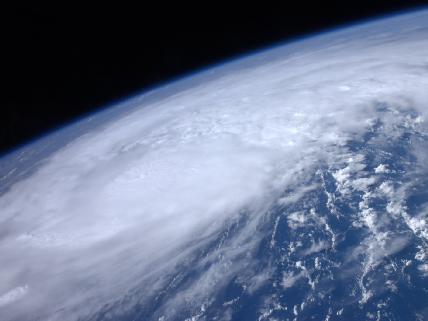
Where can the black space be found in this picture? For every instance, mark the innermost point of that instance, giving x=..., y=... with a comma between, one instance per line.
x=62, y=62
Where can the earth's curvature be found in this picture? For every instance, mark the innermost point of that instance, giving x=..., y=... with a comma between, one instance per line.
x=288, y=185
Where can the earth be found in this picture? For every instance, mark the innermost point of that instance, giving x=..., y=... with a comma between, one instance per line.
x=290, y=184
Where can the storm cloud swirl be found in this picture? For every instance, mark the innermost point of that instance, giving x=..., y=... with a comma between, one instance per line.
x=163, y=208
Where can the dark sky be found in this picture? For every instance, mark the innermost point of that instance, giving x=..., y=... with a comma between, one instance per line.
x=62, y=62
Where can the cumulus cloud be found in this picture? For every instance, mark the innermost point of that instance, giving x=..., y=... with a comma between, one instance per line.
x=132, y=200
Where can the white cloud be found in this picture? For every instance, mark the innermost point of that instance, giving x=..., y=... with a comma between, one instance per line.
x=382, y=168
x=297, y=219
x=423, y=268
x=316, y=247
x=290, y=278
x=13, y=295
